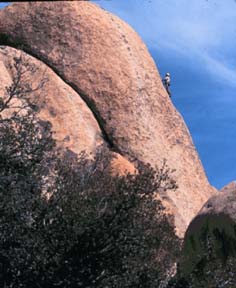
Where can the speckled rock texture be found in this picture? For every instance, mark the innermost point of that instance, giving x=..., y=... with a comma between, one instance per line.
x=229, y=187
x=73, y=124
x=110, y=68
x=220, y=203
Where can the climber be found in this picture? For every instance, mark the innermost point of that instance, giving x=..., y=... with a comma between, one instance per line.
x=166, y=82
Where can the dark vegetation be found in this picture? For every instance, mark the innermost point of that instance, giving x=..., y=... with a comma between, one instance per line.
x=65, y=220
x=208, y=255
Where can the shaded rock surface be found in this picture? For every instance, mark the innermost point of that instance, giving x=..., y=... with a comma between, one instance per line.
x=110, y=68
x=229, y=187
x=215, y=224
x=220, y=203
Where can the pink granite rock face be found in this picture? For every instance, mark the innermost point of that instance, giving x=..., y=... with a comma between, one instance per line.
x=73, y=124
x=110, y=68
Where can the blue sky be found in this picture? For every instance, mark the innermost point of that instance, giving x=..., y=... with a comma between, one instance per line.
x=2, y=5
x=195, y=41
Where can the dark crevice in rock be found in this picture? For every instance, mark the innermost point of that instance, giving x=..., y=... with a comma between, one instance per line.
x=6, y=40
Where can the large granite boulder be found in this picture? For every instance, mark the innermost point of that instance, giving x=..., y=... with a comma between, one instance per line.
x=210, y=240
x=110, y=68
